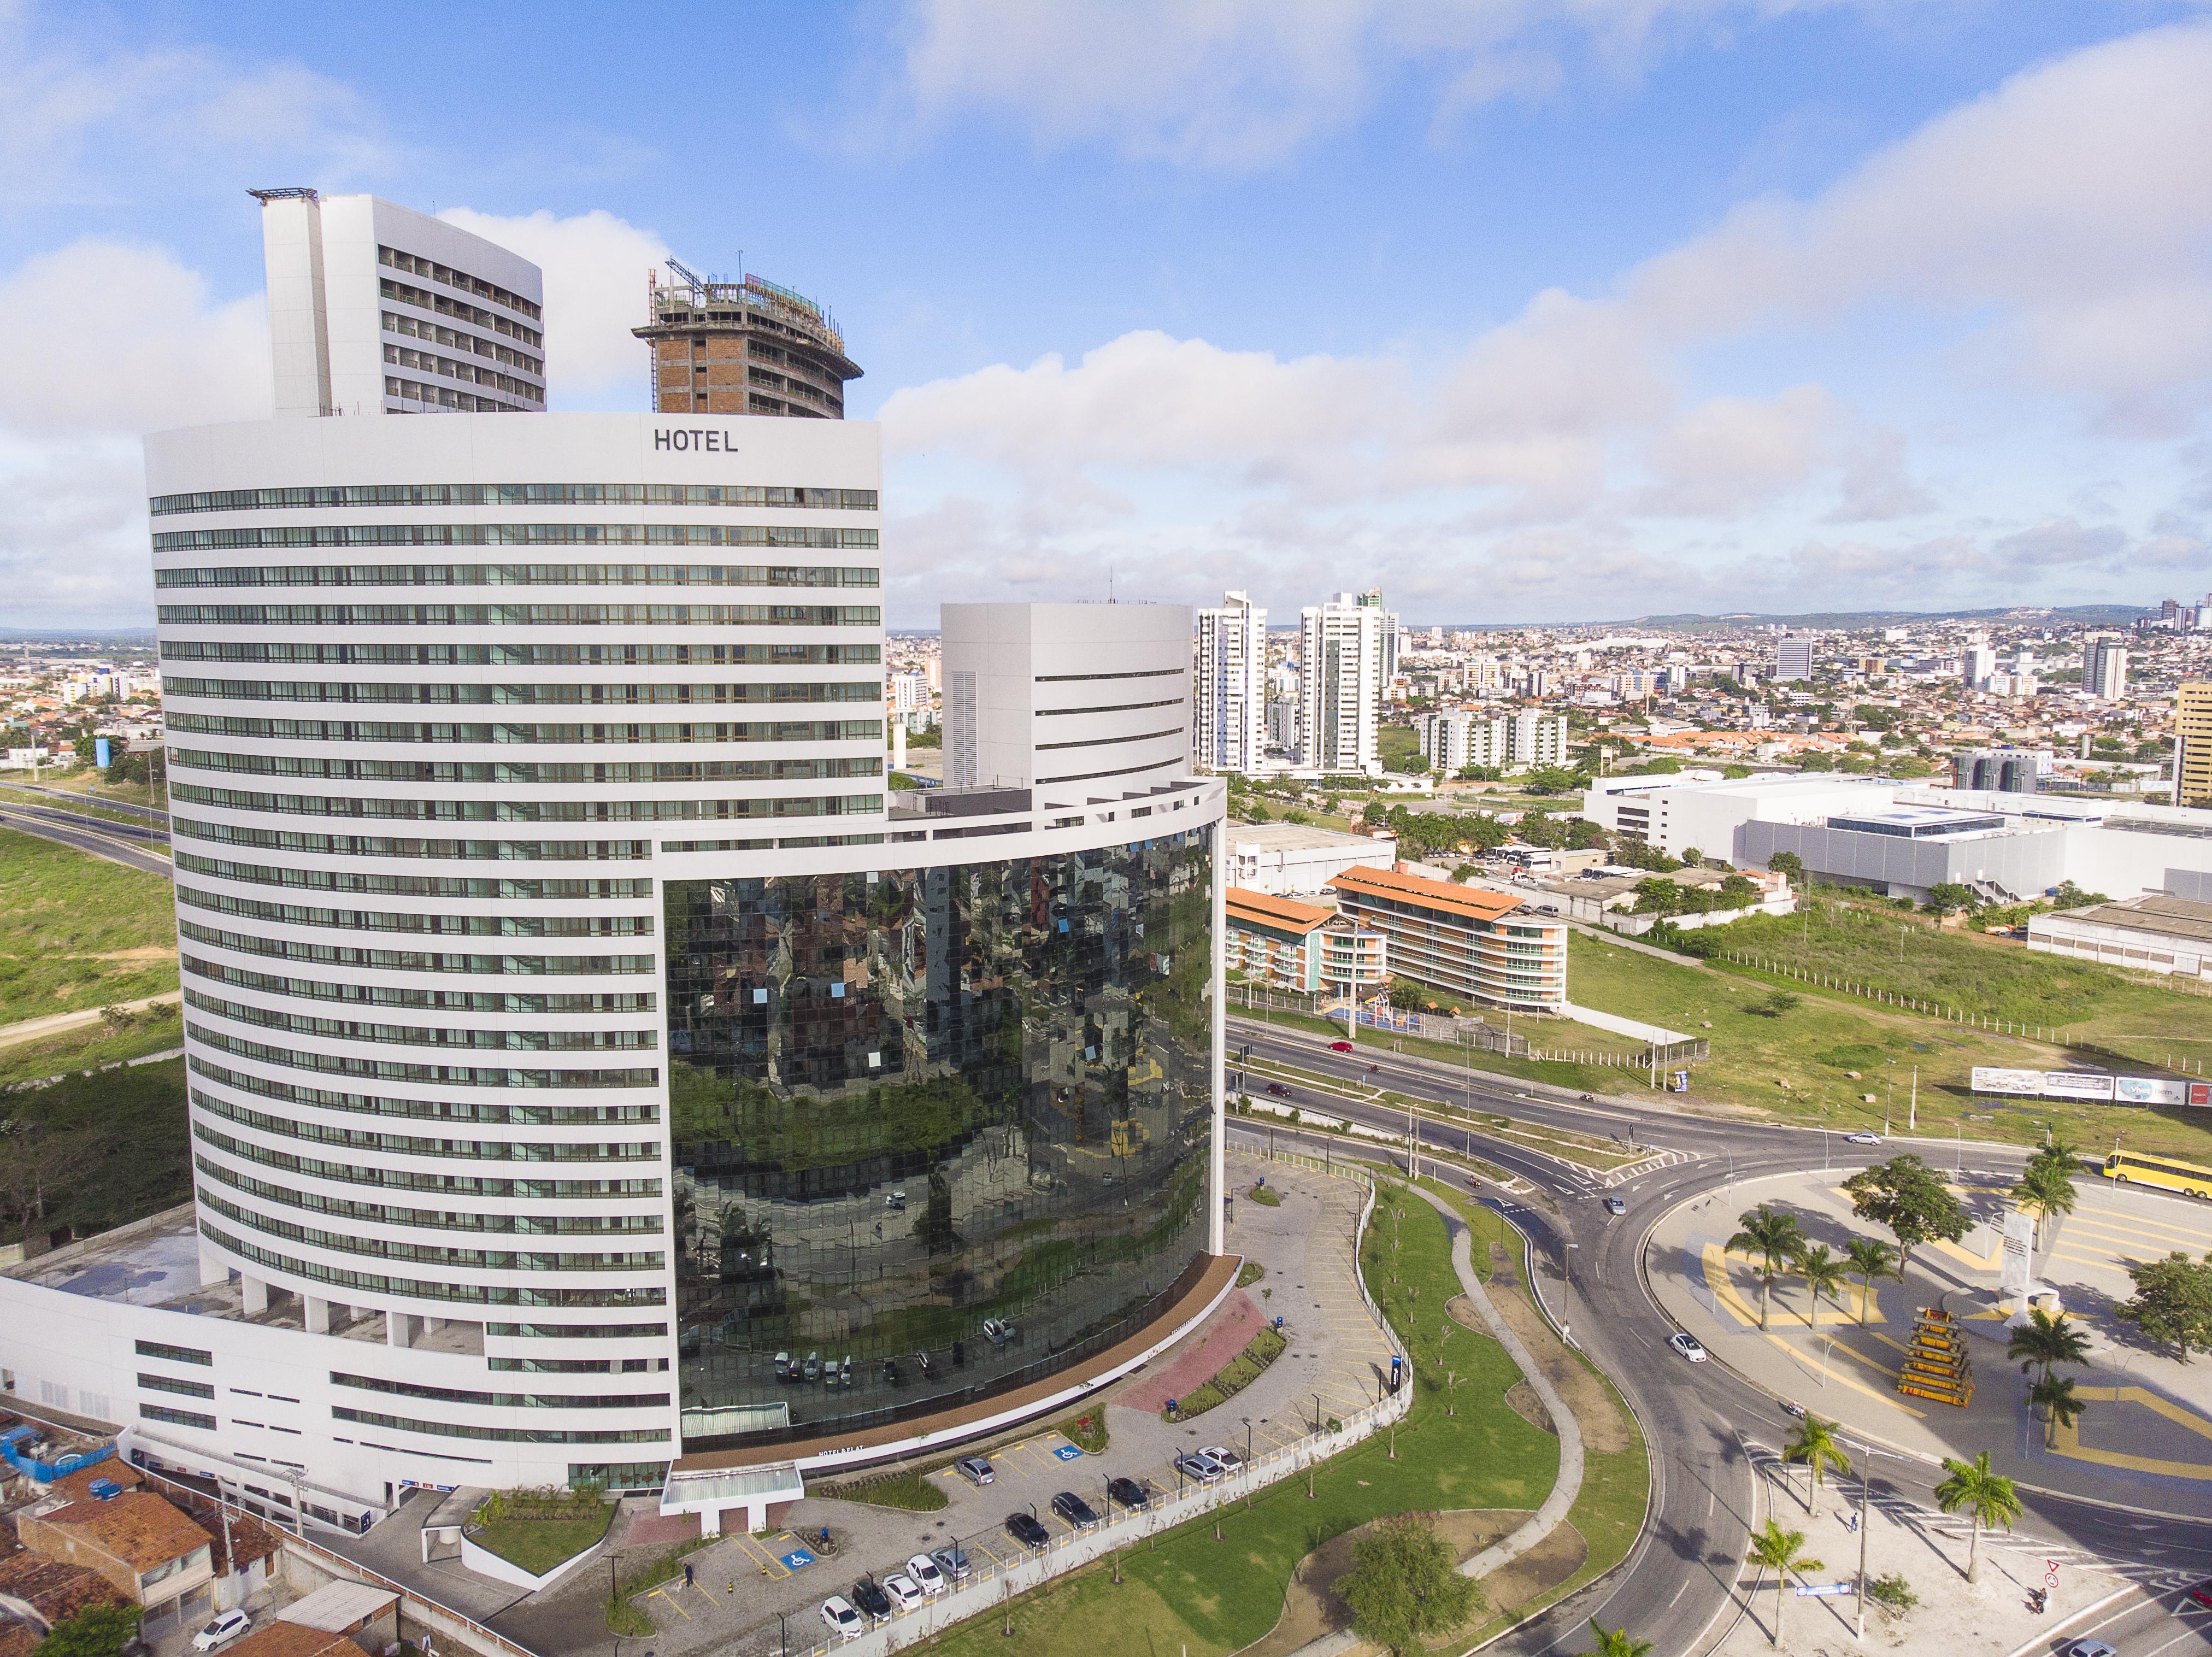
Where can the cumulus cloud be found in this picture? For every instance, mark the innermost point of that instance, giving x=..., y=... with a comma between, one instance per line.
x=1243, y=83
x=595, y=266
x=2049, y=236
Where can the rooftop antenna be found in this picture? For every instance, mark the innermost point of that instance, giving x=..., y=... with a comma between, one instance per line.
x=1109, y=583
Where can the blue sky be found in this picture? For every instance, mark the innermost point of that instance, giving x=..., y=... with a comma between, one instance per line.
x=1527, y=311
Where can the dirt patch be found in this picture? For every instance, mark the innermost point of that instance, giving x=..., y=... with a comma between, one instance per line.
x=1521, y=1399
x=1310, y=1611
x=1538, y=1571
x=1605, y=1430
x=145, y=953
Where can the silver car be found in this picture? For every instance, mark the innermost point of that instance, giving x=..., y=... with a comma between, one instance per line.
x=975, y=1468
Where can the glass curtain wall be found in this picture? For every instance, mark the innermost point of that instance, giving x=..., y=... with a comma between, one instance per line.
x=938, y=1132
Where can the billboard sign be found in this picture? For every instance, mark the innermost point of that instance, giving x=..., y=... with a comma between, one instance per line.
x=2076, y=1084
x=1991, y=1079
x=2149, y=1090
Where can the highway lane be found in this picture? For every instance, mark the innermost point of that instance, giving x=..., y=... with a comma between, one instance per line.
x=67, y=797
x=119, y=847
x=1699, y=1420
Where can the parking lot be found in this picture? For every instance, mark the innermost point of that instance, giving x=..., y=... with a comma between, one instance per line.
x=1336, y=1360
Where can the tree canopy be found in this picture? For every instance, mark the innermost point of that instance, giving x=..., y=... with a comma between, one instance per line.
x=1905, y=1194
x=1404, y=1587
x=2172, y=1301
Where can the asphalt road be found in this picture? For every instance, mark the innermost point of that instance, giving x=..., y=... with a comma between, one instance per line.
x=1707, y=1427
x=119, y=842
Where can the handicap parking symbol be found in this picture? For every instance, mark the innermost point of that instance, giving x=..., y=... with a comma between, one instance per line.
x=1068, y=1453
x=798, y=1559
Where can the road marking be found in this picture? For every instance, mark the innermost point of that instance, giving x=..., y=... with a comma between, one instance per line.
x=2068, y=1438
x=661, y=1594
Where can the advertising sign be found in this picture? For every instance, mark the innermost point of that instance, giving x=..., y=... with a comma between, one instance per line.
x=2076, y=1084
x=2200, y=1092
x=2018, y=1239
x=2149, y=1090
x=1990, y=1079
x=100, y=752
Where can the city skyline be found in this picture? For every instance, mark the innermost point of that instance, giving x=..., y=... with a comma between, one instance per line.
x=1804, y=314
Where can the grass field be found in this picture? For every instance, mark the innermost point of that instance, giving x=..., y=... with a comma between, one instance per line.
x=1796, y=1064
x=77, y=931
x=89, y=1046
x=102, y=1150
x=1212, y=1597
x=538, y=1545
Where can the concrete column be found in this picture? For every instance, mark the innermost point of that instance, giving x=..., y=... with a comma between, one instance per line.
x=257, y=1294
x=710, y=1522
x=395, y=1329
x=212, y=1270
x=318, y=1315
x=432, y=1325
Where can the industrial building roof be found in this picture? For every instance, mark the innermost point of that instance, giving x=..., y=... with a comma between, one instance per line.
x=1298, y=836
x=2173, y=918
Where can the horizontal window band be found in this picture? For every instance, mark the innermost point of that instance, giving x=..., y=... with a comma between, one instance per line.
x=508, y=888
x=385, y=1214
x=1140, y=673
x=516, y=575
x=464, y=926
x=506, y=811
x=442, y=1001
x=407, y=1035
x=519, y=615
x=399, y=1144
x=417, y=961
x=325, y=1099
x=393, y=1069
x=519, y=696
x=1093, y=777
x=325, y=498
x=501, y=1434
x=371, y=845
x=1118, y=708
x=425, y=1254
x=522, y=655
x=1110, y=741
x=488, y=733
x=501, y=1400
x=525, y=773
x=449, y=1186
x=428, y=1289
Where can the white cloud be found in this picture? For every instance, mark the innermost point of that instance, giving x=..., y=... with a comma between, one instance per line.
x=595, y=268
x=1242, y=83
x=2050, y=237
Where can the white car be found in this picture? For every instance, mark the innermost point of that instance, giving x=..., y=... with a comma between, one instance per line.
x=1686, y=1345
x=222, y=1632
x=1229, y=1459
x=927, y=1576
x=1862, y=1137
x=844, y=1620
x=906, y=1593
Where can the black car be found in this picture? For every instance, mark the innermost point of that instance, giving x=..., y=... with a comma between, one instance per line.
x=1128, y=1493
x=1074, y=1509
x=1278, y=1090
x=1027, y=1532
x=872, y=1600
x=892, y=1375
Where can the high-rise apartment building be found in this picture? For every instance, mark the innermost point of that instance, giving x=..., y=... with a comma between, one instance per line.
x=374, y=309
x=2192, y=745
x=1978, y=661
x=1453, y=741
x=1793, y=657
x=1393, y=632
x=1229, y=686
x=745, y=347
x=573, y=1025
x=1536, y=740
x=2105, y=667
x=1340, y=679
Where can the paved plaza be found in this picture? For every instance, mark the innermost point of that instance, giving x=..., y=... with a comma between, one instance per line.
x=2146, y=1439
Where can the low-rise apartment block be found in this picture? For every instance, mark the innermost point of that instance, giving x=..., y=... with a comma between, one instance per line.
x=1287, y=945
x=1487, y=946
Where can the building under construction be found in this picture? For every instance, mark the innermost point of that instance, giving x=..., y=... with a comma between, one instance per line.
x=745, y=347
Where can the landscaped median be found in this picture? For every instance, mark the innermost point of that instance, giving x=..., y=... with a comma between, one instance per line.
x=1170, y=1580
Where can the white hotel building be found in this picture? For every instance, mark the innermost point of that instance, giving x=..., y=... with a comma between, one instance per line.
x=573, y=1025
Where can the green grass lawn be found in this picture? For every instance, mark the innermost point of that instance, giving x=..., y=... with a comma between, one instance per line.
x=910, y=1489
x=89, y=1046
x=538, y=1545
x=1813, y=1046
x=105, y=1148
x=78, y=931
x=1215, y=1597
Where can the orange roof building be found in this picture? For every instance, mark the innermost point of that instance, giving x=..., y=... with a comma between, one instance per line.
x=1288, y=944
x=1463, y=939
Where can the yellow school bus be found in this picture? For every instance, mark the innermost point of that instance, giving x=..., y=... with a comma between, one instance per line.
x=2125, y=1167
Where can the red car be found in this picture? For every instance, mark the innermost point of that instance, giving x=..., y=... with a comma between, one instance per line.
x=2201, y=1593
x=1340, y=1047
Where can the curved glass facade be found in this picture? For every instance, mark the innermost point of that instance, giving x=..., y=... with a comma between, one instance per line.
x=938, y=1132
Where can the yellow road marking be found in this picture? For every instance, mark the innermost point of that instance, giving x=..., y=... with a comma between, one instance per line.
x=769, y=1564
x=1842, y=1380
x=1725, y=1289
x=660, y=1594
x=2067, y=1440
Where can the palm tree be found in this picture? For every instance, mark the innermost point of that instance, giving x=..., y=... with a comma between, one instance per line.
x=1815, y=1444
x=1870, y=1258
x=1988, y=1496
x=2045, y=1187
x=1616, y=1643
x=1775, y=1549
x=2054, y=1396
x=1824, y=1274
x=2044, y=1340
x=1773, y=1237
